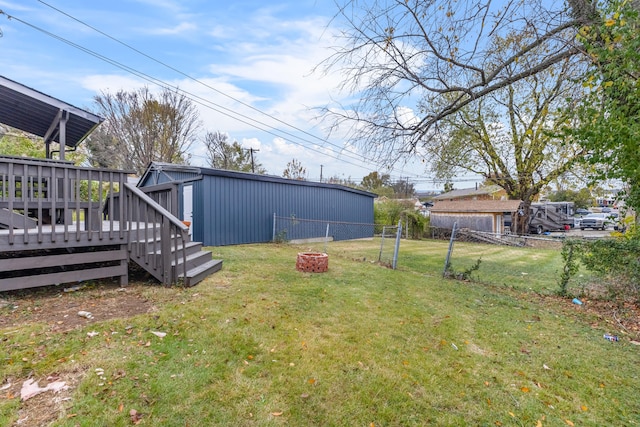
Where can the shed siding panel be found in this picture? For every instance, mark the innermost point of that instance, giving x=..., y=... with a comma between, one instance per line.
x=239, y=211
x=235, y=208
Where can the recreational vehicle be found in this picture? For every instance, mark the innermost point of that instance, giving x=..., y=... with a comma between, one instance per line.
x=550, y=216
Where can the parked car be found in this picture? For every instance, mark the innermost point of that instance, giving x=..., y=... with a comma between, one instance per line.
x=606, y=210
x=596, y=221
x=582, y=212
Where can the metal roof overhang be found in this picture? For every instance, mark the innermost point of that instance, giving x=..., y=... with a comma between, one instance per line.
x=42, y=115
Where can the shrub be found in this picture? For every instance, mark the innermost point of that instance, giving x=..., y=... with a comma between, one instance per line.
x=615, y=260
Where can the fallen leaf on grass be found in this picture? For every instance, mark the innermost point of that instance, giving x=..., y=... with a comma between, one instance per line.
x=6, y=386
x=525, y=389
x=569, y=423
x=312, y=381
x=136, y=417
x=159, y=334
x=276, y=414
x=539, y=423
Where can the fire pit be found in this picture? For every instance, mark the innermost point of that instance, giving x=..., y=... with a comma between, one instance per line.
x=312, y=262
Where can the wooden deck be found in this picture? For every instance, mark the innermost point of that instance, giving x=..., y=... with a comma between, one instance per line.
x=62, y=224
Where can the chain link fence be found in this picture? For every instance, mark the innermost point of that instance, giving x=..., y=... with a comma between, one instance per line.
x=317, y=235
x=499, y=258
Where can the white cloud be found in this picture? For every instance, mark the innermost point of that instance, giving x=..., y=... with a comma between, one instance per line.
x=168, y=5
x=111, y=83
x=12, y=6
x=181, y=28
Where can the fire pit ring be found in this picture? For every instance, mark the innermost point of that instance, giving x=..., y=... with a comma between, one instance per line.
x=312, y=262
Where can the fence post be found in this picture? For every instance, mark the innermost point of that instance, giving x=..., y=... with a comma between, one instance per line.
x=397, y=247
x=326, y=239
x=274, y=227
x=381, y=243
x=453, y=238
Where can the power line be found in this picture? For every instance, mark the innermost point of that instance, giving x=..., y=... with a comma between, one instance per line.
x=201, y=101
x=205, y=102
x=170, y=67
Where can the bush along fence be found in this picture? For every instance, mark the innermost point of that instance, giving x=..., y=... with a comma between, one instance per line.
x=617, y=259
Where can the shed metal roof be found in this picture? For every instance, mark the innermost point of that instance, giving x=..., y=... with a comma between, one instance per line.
x=39, y=114
x=170, y=167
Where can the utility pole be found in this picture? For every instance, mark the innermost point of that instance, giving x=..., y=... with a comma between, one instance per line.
x=251, y=151
x=320, y=173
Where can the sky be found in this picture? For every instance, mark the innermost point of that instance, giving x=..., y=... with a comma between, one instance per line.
x=250, y=67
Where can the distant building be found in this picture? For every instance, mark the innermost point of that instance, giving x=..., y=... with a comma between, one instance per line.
x=479, y=215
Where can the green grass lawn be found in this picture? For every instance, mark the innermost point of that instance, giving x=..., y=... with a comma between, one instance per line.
x=261, y=344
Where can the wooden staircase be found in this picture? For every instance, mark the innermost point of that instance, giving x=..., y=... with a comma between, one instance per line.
x=161, y=244
x=190, y=264
x=53, y=231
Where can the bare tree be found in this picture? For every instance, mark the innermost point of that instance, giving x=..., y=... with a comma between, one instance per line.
x=509, y=137
x=223, y=154
x=414, y=63
x=295, y=170
x=144, y=128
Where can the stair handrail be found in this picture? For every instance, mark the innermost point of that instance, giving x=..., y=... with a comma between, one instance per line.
x=165, y=235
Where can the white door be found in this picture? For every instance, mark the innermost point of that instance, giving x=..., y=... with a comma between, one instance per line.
x=187, y=205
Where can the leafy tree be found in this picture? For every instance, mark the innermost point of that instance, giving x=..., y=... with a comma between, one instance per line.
x=222, y=154
x=448, y=186
x=509, y=136
x=581, y=198
x=609, y=127
x=17, y=143
x=375, y=180
x=403, y=189
x=347, y=182
x=103, y=149
x=483, y=84
x=388, y=212
x=295, y=170
x=143, y=127
x=413, y=63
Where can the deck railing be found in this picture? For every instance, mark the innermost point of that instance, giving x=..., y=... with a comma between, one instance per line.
x=57, y=199
x=47, y=204
x=157, y=238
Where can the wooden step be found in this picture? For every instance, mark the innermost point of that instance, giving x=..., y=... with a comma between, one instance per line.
x=193, y=260
x=197, y=274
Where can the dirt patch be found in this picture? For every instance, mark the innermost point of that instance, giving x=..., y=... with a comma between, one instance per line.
x=59, y=307
x=44, y=408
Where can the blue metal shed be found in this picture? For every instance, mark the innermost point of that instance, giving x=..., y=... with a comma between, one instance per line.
x=228, y=207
